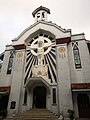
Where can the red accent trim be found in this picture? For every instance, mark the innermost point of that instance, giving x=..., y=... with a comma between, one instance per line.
x=80, y=86
x=87, y=41
x=63, y=40
x=18, y=47
x=5, y=89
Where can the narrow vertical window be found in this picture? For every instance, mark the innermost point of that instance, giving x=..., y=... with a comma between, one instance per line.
x=76, y=57
x=1, y=62
x=88, y=44
x=54, y=95
x=43, y=14
x=38, y=16
x=10, y=64
x=25, y=97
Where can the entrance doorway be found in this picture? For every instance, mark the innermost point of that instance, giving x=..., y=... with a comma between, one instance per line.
x=4, y=101
x=39, y=97
x=83, y=105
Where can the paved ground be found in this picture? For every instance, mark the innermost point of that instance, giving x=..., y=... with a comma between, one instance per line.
x=82, y=119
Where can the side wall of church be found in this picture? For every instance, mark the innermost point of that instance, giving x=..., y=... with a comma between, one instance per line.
x=85, y=60
x=71, y=63
x=64, y=85
x=82, y=74
x=5, y=79
x=17, y=81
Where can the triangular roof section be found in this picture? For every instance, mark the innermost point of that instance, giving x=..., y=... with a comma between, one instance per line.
x=47, y=26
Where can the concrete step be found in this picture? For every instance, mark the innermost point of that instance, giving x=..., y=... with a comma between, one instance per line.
x=34, y=114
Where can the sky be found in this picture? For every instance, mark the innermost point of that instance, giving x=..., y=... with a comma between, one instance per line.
x=16, y=16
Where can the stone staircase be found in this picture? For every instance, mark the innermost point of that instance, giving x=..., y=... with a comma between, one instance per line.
x=34, y=114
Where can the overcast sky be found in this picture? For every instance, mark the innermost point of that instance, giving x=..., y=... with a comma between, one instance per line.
x=16, y=15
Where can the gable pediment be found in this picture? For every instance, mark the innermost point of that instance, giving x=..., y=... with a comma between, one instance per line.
x=41, y=25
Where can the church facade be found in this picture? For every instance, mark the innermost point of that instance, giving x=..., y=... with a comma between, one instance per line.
x=46, y=67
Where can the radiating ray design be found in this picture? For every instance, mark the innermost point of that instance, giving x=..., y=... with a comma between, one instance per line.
x=29, y=63
x=50, y=60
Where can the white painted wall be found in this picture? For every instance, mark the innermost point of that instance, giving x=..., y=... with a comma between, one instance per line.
x=16, y=81
x=5, y=79
x=71, y=63
x=64, y=84
x=85, y=61
x=83, y=74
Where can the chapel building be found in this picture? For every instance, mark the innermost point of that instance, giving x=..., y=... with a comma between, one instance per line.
x=46, y=67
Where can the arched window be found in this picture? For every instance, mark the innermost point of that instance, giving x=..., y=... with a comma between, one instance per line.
x=76, y=56
x=9, y=69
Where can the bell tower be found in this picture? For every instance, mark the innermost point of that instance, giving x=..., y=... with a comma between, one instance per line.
x=40, y=14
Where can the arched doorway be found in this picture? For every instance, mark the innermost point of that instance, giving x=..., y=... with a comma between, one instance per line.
x=39, y=97
x=83, y=105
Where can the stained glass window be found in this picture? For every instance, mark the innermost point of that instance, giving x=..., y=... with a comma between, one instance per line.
x=10, y=64
x=76, y=57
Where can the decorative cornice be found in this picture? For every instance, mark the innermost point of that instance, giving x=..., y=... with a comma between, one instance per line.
x=78, y=34
x=63, y=40
x=5, y=89
x=18, y=47
x=80, y=86
x=42, y=22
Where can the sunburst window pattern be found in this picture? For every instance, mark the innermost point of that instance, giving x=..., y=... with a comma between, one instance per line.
x=49, y=59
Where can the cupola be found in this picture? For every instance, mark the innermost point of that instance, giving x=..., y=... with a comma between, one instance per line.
x=40, y=14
